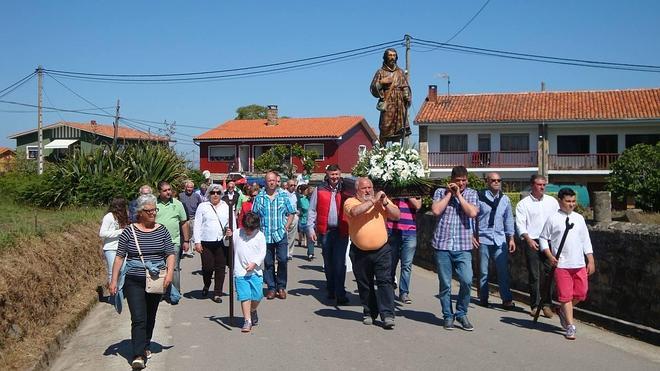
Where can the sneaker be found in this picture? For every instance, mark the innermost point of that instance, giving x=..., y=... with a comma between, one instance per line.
x=254, y=318
x=388, y=323
x=205, y=291
x=217, y=299
x=405, y=299
x=367, y=320
x=570, y=332
x=247, y=326
x=310, y=257
x=147, y=354
x=562, y=319
x=138, y=363
x=449, y=323
x=465, y=323
x=547, y=311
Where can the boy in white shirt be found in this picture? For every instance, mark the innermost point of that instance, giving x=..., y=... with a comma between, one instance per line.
x=249, y=254
x=571, y=273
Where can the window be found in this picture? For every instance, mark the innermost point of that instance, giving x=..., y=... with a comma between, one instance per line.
x=260, y=149
x=318, y=148
x=453, y=143
x=514, y=142
x=362, y=149
x=607, y=144
x=632, y=139
x=570, y=144
x=484, y=142
x=222, y=153
x=32, y=152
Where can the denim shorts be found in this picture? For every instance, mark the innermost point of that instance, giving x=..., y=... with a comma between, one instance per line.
x=249, y=287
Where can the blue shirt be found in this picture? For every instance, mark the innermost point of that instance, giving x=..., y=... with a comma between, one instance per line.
x=454, y=230
x=273, y=214
x=503, y=226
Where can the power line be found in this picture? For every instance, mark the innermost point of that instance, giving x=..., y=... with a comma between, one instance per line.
x=8, y=90
x=539, y=58
x=468, y=22
x=258, y=67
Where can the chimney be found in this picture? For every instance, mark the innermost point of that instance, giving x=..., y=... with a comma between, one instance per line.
x=542, y=85
x=93, y=122
x=271, y=115
x=433, y=93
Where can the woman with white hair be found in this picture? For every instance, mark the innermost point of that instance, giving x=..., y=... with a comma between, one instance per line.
x=145, y=245
x=211, y=234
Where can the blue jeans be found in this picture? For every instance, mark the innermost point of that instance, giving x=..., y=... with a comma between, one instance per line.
x=460, y=262
x=334, y=261
x=500, y=255
x=279, y=250
x=403, y=248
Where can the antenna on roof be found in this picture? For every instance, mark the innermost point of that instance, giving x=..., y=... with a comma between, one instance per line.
x=542, y=85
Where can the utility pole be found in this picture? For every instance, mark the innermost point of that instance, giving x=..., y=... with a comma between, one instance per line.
x=40, y=135
x=116, y=126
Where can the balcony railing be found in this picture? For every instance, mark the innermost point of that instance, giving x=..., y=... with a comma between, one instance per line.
x=483, y=159
x=582, y=161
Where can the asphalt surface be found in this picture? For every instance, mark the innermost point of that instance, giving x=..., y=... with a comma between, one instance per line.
x=306, y=331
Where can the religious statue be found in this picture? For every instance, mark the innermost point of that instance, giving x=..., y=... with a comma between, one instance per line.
x=390, y=86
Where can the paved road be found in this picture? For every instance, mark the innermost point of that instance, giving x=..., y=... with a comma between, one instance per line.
x=305, y=332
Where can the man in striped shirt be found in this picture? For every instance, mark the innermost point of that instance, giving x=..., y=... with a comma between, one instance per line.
x=402, y=236
x=276, y=214
x=456, y=206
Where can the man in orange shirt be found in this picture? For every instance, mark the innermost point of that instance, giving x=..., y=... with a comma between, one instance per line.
x=370, y=253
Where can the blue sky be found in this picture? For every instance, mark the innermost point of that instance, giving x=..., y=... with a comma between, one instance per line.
x=134, y=37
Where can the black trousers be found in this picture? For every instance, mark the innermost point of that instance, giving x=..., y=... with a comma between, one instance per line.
x=366, y=266
x=538, y=268
x=143, y=307
x=214, y=259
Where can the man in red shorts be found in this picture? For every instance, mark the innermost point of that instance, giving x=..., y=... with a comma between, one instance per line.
x=571, y=273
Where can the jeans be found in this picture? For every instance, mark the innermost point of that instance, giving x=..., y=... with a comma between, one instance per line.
x=500, y=255
x=214, y=260
x=109, y=261
x=176, y=279
x=310, y=244
x=403, y=248
x=334, y=261
x=143, y=307
x=536, y=260
x=277, y=250
x=460, y=262
x=366, y=265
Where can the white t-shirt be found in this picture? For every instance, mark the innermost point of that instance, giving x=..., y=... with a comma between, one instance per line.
x=109, y=232
x=577, y=243
x=248, y=249
x=531, y=214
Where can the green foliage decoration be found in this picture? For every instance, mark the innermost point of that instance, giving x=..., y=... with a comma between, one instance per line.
x=636, y=173
x=277, y=158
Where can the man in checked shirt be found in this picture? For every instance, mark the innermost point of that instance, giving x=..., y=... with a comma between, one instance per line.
x=456, y=206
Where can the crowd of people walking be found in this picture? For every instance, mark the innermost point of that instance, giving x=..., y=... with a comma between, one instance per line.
x=144, y=240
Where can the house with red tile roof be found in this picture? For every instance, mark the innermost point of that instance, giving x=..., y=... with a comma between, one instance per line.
x=572, y=136
x=63, y=136
x=234, y=145
x=6, y=157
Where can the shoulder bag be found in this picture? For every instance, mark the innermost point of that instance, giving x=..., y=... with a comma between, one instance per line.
x=155, y=283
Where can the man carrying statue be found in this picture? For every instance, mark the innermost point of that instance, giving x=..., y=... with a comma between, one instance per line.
x=390, y=86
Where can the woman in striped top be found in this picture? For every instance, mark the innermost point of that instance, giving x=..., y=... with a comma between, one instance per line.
x=156, y=246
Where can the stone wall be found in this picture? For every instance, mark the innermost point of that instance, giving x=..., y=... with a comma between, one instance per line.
x=626, y=284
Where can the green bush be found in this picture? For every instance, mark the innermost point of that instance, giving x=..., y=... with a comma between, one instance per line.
x=636, y=173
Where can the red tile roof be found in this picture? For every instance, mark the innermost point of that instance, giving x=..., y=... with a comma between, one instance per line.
x=543, y=106
x=313, y=127
x=5, y=149
x=103, y=130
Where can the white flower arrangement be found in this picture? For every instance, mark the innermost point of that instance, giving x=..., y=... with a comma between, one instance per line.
x=395, y=165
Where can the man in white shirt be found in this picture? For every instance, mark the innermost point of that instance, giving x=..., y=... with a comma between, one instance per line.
x=531, y=215
x=571, y=273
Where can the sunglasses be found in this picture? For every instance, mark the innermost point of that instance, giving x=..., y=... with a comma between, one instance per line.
x=215, y=192
x=495, y=180
x=150, y=211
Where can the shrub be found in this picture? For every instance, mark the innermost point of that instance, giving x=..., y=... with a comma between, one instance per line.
x=637, y=173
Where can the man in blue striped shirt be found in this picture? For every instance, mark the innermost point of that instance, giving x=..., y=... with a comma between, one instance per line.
x=456, y=206
x=276, y=214
x=493, y=237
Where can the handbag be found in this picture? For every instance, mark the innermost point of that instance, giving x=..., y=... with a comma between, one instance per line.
x=155, y=283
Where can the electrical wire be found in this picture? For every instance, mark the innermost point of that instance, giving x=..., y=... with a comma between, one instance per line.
x=11, y=88
x=230, y=69
x=468, y=22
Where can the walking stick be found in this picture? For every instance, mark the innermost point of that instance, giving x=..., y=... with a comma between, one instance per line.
x=548, y=282
x=230, y=259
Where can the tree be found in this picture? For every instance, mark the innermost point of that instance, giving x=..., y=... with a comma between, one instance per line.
x=307, y=158
x=251, y=112
x=278, y=158
x=636, y=173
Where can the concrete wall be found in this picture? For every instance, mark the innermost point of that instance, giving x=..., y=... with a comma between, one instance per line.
x=626, y=284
